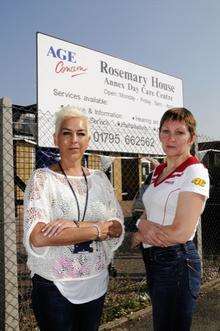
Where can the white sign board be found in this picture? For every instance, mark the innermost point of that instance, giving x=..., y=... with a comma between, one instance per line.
x=124, y=101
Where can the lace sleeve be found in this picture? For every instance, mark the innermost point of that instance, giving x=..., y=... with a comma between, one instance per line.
x=36, y=208
x=115, y=212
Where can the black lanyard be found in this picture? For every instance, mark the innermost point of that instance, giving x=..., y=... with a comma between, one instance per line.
x=77, y=202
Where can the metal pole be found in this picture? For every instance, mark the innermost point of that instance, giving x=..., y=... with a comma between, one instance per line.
x=2, y=250
x=9, y=284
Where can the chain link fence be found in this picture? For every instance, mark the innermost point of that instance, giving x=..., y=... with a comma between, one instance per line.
x=209, y=152
x=126, y=171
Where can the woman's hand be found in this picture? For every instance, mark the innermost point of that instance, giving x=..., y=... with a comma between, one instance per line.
x=115, y=229
x=153, y=234
x=56, y=227
x=104, y=229
x=136, y=239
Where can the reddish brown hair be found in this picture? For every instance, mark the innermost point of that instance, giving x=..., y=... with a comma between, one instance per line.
x=182, y=115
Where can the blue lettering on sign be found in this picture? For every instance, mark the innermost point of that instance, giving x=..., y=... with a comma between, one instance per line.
x=62, y=54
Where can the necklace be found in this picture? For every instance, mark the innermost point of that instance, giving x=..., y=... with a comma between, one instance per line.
x=74, y=194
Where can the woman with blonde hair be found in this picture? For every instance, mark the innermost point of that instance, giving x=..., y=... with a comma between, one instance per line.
x=72, y=225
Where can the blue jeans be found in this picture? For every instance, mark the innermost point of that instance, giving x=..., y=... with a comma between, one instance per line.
x=54, y=312
x=174, y=278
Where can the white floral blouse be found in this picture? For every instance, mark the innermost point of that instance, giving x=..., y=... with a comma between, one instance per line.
x=48, y=197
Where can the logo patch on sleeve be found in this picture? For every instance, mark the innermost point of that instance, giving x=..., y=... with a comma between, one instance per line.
x=199, y=181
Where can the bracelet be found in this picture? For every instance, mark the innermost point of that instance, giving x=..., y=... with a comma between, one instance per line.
x=98, y=230
x=137, y=222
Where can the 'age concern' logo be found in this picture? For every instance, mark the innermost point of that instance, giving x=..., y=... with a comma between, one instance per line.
x=63, y=56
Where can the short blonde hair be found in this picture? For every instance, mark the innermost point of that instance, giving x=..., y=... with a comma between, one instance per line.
x=69, y=112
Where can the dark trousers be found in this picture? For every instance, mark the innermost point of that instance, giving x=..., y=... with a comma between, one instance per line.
x=173, y=277
x=54, y=312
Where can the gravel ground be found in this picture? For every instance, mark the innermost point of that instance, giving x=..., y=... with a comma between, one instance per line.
x=206, y=317
x=129, y=264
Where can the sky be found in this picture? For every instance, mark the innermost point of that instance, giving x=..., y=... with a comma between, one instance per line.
x=179, y=38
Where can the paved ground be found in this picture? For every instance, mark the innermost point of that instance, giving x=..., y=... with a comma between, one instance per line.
x=207, y=316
